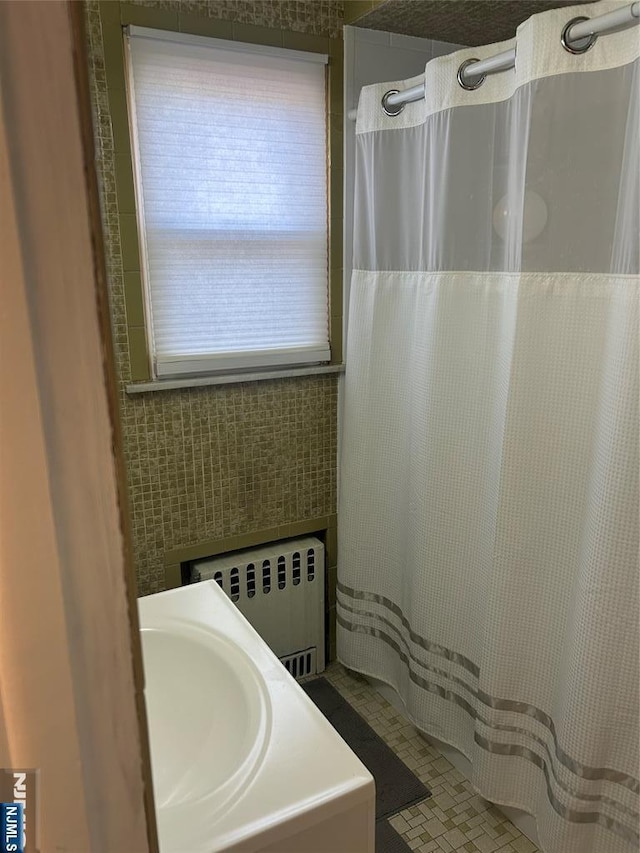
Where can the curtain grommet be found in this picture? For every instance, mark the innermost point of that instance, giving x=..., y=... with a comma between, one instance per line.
x=465, y=85
x=391, y=111
x=581, y=45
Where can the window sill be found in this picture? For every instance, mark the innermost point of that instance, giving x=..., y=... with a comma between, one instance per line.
x=231, y=378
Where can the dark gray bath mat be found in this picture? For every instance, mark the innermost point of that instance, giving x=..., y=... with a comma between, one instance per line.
x=388, y=840
x=397, y=787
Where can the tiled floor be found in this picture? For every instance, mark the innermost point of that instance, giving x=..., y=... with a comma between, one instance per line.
x=454, y=818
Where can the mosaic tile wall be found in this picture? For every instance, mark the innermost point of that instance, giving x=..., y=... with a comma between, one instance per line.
x=470, y=22
x=318, y=17
x=223, y=461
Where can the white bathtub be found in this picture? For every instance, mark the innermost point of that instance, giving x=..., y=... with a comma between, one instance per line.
x=523, y=821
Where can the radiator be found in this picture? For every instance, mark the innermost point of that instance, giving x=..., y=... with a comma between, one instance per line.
x=280, y=589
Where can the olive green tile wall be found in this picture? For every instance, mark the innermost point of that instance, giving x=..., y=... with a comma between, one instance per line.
x=354, y=10
x=225, y=462
x=470, y=22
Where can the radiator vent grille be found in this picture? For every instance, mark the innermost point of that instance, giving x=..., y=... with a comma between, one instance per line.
x=311, y=564
x=301, y=664
x=280, y=590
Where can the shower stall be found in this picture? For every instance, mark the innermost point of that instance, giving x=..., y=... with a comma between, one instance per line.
x=488, y=507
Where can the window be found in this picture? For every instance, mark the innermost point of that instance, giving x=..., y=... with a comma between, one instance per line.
x=230, y=161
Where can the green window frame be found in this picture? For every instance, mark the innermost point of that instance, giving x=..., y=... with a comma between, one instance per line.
x=116, y=16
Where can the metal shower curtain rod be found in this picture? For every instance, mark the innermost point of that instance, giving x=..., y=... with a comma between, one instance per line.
x=578, y=35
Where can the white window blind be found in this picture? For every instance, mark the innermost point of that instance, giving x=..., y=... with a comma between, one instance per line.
x=231, y=185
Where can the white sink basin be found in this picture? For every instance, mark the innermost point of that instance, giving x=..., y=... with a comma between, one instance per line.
x=242, y=760
x=208, y=715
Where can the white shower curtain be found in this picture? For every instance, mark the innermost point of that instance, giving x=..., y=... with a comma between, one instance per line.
x=488, y=522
